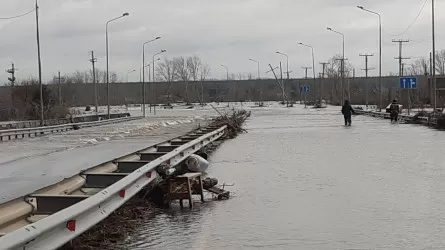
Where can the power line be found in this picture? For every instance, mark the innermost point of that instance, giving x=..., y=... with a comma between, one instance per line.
x=411, y=25
x=13, y=17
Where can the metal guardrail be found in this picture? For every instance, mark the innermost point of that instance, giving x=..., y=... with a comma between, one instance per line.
x=11, y=134
x=410, y=118
x=59, y=228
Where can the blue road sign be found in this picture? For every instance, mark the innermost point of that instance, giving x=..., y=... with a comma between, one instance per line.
x=305, y=89
x=408, y=82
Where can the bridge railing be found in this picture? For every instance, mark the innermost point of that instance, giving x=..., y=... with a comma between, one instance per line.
x=409, y=118
x=59, y=228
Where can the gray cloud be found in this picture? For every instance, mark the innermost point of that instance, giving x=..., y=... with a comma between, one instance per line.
x=221, y=32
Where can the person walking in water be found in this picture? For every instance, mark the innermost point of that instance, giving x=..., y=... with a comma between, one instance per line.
x=394, y=111
x=347, y=112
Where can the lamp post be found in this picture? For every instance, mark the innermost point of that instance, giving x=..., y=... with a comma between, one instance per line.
x=380, y=52
x=108, y=78
x=313, y=67
x=129, y=72
x=434, y=82
x=287, y=63
x=258, y=63
x=142, y=70
x=143, y=73
x=342, y=64
x=227, y=72
x=259, y=77
x=149, y=69
x=154, y=87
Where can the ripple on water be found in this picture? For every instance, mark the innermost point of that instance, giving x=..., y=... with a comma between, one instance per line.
x=303, y=181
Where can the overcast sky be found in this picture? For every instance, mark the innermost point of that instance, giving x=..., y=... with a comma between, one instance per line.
x=225, y=32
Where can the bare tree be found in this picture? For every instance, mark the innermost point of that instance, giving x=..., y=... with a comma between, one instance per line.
x=182, y=73
x=420, y=66
x=205, y=72
x=78, y=77
x=113, y=77
x=440, y=62
x=194, y=64
x=166, y=72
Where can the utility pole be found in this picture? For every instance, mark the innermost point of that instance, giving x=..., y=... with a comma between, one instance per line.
x=324, y=64
x=432, y=90
x=434, y=56
x=39, y=61
x=12, y=79
x=306, y=69
x=12, y=71
x=93, y=60
x=305, y=77
x=366, y=69
x=282, y=83
x=59, y=86
x=401, y=58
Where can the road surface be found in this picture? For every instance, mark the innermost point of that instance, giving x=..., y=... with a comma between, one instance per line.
x=32, y=163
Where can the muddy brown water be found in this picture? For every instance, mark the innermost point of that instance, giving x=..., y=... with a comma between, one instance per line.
x=303, y=181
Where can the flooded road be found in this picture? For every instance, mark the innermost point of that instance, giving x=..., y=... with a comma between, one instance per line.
x=303, y=181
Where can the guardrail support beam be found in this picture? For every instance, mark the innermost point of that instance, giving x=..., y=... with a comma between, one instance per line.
x=102, y=180
x=49, y=204
x=130, y=166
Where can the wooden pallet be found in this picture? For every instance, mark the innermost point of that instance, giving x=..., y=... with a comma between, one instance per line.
x=182, y=187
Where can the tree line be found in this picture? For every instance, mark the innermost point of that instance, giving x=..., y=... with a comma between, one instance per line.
x=191, y=71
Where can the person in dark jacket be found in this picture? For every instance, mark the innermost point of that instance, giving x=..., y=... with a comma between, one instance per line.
x=394, y=110
x=347, y=112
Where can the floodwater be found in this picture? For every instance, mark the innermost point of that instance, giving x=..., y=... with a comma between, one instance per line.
x=303, y=181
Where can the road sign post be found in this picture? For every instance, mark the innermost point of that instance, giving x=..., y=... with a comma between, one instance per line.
x=408, y=83
x=305, y=89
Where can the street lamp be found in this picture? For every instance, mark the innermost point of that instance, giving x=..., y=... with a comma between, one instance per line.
x=434, y=81
x=380, y=53
x=149, y=69
x=313, y=66
x=258, y=63
x=342, y=64
x=154, y=87
x=227, y=71
x=259, y=77
x=287, y=63
x=149, y=75
x=143, y=73
x=108, y=78
x=129, y=72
